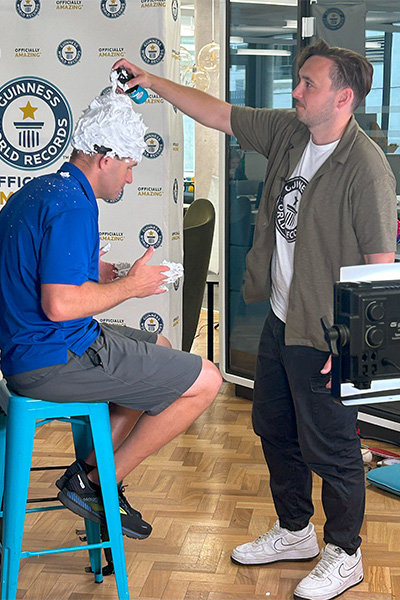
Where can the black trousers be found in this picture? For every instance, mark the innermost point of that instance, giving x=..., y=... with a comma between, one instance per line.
x=303, y=430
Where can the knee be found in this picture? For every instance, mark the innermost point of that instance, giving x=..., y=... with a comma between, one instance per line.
x=212, y=379
x=163, y=341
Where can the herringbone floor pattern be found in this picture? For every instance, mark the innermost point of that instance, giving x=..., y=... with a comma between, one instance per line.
x=204, y=493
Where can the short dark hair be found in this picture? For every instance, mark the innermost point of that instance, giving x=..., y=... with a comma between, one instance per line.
x=350, y=69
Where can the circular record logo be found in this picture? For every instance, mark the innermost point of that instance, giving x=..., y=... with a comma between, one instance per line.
x=152, y=51
x=69, y=52
x=113, y=8
x=333, y=18
x=27, y=8
x=175, y=190
x=117, y=199
x=151, y=235
x=35, y=123
x=175, y=9
x=106, y=90
x=155, y=145
x=152, y=322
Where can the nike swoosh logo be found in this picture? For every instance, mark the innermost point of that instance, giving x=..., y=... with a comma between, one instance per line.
x=280, y=546
x=344, y=573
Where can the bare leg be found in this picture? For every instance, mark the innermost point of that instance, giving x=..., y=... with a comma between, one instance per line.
x=123, y=419
x=163, y=341
x=152, y=433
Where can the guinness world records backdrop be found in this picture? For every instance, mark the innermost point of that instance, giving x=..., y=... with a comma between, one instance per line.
x=56, y=56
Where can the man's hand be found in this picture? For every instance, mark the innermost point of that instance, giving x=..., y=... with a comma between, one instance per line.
x=146, y=279
x=63, y=302
x=142, y=78
x=202, y=107
x=327, y=368
x=107, y=271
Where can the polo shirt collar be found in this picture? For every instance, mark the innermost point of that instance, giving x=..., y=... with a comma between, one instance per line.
x=68, y=167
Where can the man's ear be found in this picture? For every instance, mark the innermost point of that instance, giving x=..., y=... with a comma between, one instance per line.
x=104, y=161
x=345, y=98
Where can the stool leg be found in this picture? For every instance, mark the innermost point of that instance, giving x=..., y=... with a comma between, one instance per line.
x=19, y=447
x=101, y=432
x=83, y=446
x=3, y=428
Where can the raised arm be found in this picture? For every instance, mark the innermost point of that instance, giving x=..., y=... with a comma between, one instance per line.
x=61, y=302
x=202, y=107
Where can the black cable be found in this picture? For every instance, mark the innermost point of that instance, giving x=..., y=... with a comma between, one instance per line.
x=386, y=362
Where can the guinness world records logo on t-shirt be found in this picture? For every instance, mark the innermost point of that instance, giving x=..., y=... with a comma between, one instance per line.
x=287, y=207
x=35, y=123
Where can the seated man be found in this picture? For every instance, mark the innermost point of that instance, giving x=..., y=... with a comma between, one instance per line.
x=52, y=347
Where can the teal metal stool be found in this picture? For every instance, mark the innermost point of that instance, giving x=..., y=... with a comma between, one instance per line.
x=19, y=417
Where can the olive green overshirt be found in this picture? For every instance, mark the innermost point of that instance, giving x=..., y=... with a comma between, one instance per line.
x=348, y=209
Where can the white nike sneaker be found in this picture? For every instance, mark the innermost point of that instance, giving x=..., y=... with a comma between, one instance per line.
x=278, y=544
x=335, y=573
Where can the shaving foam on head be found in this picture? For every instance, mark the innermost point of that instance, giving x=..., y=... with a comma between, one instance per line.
x=111, y=121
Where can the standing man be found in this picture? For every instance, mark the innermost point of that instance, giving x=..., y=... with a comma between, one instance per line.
x=328, y=201
x=51, y=346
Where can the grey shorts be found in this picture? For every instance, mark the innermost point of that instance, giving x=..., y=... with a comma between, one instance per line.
x=123, y=366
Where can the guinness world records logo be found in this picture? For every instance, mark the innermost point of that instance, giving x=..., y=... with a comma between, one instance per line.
x=175, y=9
x=113, y=8
x=117, y=199
x=288, y=207
x=333, y=19
x=35, y=123
x=27, y=9
x=152, y=51
x=155, y=145
x=69, y=52
x=151, y=235
x=152, y=322
x=175, y=190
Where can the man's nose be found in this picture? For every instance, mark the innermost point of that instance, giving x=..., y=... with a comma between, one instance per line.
x=296, y=92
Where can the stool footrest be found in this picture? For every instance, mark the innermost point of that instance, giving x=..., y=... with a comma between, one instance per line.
x=29, y=553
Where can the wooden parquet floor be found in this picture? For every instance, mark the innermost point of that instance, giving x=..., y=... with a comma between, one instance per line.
x=204, y=493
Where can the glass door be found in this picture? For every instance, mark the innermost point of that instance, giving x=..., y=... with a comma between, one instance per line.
x=261, y=55
x=263, y=40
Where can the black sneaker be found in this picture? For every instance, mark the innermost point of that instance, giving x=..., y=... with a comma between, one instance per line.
x=84, y=498
x=78, y=465
x=132, y=523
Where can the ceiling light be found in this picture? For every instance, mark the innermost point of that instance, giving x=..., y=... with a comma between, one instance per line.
x=262, y=52
x=275, y=2
x=373, y=45
x=290, y=24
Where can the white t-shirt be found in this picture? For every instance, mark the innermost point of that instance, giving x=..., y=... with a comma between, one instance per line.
x=288, y=204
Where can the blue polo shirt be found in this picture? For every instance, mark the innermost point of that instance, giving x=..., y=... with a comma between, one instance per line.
x=48, y=234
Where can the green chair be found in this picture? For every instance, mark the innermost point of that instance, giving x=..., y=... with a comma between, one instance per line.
x=198, y=231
